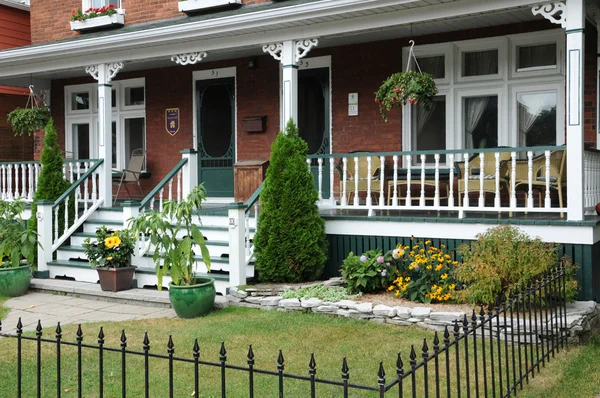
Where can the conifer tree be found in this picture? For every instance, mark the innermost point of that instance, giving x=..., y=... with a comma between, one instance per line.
x=290, y=243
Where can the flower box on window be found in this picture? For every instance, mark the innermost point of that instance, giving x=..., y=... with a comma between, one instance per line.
x=100, y=21
x=191, y=6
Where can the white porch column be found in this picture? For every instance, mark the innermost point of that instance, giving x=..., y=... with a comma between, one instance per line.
x=104, y=73
x=237, y=244
x=575, y=99
x=45, y=239
x=190, y=171
x=289, y=54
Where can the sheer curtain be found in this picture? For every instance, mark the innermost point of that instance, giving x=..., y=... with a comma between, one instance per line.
x=474, y=108
x=529, y=112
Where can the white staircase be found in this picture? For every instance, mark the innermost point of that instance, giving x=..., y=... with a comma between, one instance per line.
x=71, y=262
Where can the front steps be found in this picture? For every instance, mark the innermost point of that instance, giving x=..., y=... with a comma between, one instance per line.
x=71, y=262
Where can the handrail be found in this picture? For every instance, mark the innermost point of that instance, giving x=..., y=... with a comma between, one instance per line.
x=163, y=182
x=38, y=162
x=441, y=152
x=77, y=183
x=254, y=198
x=21, y=162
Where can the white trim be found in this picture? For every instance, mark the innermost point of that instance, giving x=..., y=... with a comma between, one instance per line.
x=565, y=234
x=196, y=5
x=22, y=5
x=555, y=36
x=87, y=4
x=173, y=39
x=488, y=91
x=499, y=44
x=431, y=50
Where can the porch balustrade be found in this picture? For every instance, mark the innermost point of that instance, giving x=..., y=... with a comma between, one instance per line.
x=18, y=180
x=511, y=180
x=170, y=188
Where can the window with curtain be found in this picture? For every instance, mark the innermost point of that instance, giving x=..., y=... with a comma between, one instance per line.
x=81, y=141
x=429, y=128
x=537, y=56
x=480, y=121
x=102, y=3
x=480, y=63
x=434, y=65
x=536, y=114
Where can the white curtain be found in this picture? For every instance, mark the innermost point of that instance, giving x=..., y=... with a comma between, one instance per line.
x=480, y=63
x=530, y=109
x=474, y=108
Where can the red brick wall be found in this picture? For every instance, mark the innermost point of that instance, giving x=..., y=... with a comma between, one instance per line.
x=45, y=29
x=13, y=148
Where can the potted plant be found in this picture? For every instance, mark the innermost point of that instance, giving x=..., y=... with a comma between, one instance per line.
x=174, y=236
x=28, y=120
x=111, y=254
x=17, y=250
x=415, y=88
x=94, y=18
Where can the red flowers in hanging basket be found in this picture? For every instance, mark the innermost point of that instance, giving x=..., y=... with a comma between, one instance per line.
x=414, y=88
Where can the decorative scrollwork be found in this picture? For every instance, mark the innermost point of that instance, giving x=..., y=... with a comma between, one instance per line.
x=304, y=46
x=189, y=58
x=274, y=49
x=554, y=12
x=93, y=71
x=113, y=69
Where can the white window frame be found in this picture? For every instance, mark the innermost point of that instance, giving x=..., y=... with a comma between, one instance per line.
x=515, y=90
x=555, y=36
x=499, y=44
x=87, y=4
x=503, y=84
x=120, y=112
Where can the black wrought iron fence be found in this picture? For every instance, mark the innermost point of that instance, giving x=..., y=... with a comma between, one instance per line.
x=491, y=353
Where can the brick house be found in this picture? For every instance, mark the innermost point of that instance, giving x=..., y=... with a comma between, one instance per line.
x=503, y=143
x=14, y=32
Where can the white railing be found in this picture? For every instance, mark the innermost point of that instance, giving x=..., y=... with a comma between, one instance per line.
x=170, y=188
x=19, y=180
x=591, y=175
x=484, y=180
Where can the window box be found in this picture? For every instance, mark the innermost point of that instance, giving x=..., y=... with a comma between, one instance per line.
x=117, y=19
x=191, y=6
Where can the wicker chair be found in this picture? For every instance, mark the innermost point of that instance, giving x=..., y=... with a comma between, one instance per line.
x=363, y=177
x=557, y=178
x=489, y=174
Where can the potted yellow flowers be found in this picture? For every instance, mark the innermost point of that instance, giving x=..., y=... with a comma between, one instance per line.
x=111, y=254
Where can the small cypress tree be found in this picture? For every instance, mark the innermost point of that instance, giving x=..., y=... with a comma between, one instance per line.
x=51, y=182
x=290, y=243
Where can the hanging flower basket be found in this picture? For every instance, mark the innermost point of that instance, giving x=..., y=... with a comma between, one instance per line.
x=34, y=116
x=415, y=88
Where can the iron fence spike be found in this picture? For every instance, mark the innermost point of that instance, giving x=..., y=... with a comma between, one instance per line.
x=250, y=352
x=345, y=368
x=38, y=328
x=436, y=340
x=223, y=352
x=465, y=322
x=58, y=331
x=146, y=341
x=79, y=332
x=399, y=363
x=425, y=347
x=474, y=316
x=101, y=336
x=381, y=372
x=446, y=333
x=123, y=339
x=413, y=354
x=280, y=358
x=312, y=364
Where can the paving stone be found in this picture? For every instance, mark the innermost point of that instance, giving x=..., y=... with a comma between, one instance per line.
x=420, y=312
x=446, y=316
x=253, y=300
x=403, y=312
x=384, y=310
x=346, y=304
x=365, y=308
x=581, y=307
x=289, y=303
x=270, y=301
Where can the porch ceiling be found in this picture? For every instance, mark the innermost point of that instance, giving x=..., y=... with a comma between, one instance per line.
x=241, y=34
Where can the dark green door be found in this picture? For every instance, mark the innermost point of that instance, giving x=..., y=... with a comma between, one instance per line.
x=216, y=107
x=313, y=119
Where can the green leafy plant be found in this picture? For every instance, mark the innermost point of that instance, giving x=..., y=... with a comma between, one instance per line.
x=110, y=249
x=80, y=15
x=174, y=253
x=504, y=258
x=424, y=272
x=28, y=120
x=322, y=292
x=411, y=87
x=17, y=242
x=369, y=272
x=51, y=182
x=290, y=242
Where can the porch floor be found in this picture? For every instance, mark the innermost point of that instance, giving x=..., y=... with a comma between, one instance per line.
x=471, y=217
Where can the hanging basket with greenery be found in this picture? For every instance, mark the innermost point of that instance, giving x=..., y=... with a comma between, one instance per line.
x=410, y=87
x=34, y=116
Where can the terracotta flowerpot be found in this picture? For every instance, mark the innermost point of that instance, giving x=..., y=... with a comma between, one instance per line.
x=115, y=279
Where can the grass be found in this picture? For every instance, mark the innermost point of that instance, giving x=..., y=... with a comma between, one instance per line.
x=573, y=373
x=3, y=310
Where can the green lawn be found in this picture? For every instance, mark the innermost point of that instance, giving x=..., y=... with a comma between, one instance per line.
x=297, y=334
x=3, y=310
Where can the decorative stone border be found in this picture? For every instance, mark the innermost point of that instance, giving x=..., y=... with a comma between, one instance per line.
x=582, y=316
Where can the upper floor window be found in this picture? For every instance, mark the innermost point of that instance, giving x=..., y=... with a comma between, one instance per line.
x=100, y=3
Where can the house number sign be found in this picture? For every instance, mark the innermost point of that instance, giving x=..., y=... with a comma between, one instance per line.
x=172, y=120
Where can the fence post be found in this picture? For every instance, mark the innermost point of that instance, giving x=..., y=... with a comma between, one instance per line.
x=237, y=244
x=44, y=217
x=190, y=170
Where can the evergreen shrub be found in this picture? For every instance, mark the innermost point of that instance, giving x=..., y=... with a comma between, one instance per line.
x=290, y=243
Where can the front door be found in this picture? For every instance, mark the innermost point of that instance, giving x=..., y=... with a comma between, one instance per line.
x=216, y=129
x=313, y=119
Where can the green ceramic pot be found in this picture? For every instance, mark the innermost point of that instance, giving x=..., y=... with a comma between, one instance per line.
x=15, y=281
x=193, y=301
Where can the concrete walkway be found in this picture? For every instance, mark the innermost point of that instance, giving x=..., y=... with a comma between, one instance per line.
x=53, y=308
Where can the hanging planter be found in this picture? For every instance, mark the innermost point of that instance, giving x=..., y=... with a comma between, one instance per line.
x=31, y=118
x=410, y=87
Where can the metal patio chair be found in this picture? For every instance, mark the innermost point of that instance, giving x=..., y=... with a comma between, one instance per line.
x=131, y=175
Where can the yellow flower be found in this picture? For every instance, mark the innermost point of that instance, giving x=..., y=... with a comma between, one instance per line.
x=444, y=276
x=407, y=278
x=434, y=287
x=429, y=267
x=108, y=258
x=397, y=293
x=117, y=241
x=454, y=262
x=452, y=286
x=439, y=267
x=109, y=243
x=404, y=287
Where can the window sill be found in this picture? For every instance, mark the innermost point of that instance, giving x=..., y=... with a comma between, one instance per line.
x=191, y=6
x=117, y=19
